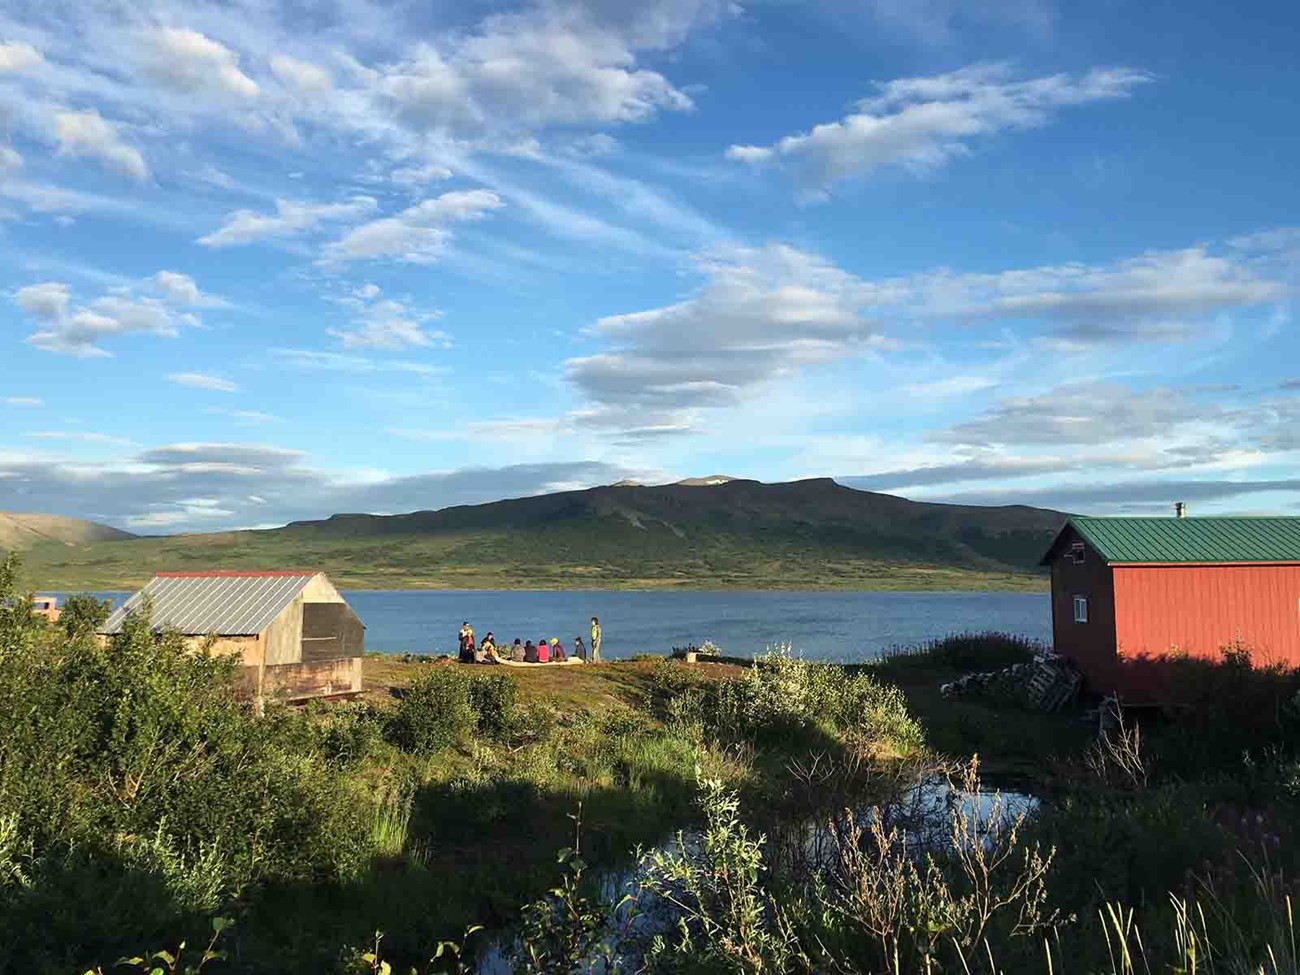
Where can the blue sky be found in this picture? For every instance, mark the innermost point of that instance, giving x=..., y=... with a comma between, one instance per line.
x=262, y=262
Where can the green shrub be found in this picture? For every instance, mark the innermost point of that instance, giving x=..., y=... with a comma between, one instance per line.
x=780, y=694
x=136, y=791
x=447, y=704
x=434, y=711
x=492, y=698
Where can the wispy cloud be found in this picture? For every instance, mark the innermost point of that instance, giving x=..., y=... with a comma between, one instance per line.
x=923, y=122
x=201, y=380
x=383, y=323
x=338, y=362
x=416, y=235
x=290, y=218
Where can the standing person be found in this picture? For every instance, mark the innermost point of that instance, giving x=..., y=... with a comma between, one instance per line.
x=579, y=650
x=466, y=643
x=595, y=640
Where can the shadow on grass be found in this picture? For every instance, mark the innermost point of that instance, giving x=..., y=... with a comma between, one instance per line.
x=477, y=852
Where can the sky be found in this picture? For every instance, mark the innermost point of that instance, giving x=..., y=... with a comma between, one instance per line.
x=262, y=262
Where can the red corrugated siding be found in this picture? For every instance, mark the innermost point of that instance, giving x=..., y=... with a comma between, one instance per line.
x=1198, y=609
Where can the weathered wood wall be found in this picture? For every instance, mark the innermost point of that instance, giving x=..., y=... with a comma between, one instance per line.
x=289, y=682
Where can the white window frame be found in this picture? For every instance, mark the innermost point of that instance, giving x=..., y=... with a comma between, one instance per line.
x=1081, y=609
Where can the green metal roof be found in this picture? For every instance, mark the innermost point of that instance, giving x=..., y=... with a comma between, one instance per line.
x=1216, y=539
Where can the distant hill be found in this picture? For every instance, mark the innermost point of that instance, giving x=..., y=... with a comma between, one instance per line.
x=809, y=534
x=25, y=531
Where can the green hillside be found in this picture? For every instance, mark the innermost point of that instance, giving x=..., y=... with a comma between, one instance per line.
x=738, y=534
x=24, y=531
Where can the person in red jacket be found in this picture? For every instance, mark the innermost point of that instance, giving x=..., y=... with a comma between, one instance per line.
x=543, y=651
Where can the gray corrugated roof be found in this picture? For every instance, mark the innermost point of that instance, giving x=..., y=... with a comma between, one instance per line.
x=224, y=603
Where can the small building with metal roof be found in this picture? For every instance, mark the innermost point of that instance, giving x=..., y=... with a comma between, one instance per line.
x=295, y=635
x=1128, y=591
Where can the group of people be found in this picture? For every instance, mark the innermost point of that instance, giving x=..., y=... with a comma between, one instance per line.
x=544, y=651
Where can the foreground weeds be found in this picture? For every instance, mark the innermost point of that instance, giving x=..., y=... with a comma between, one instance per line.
x=818, y=830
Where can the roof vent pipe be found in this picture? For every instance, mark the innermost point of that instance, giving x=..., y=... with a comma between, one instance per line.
x=1180, y=509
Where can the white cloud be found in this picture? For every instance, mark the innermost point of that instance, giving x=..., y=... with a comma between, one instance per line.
x=46, y=301
x=24, y=401
x=189, y=61
x=79, y=330
x=303, y=76
x=1082, y=413
x=9, y=159
x=383, y=323
x=290, y=217
x=88, y=134
x=923, y=122
x=201, y=380
x=1158, y=296
x=418, y=234
x=16, y=56
x=179, y=288
x=554, y=64
x=761, y=314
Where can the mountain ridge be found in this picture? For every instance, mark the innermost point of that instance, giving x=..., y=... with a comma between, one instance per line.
x=808, y=534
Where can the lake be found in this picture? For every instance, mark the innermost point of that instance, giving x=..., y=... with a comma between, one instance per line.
x=820, y=625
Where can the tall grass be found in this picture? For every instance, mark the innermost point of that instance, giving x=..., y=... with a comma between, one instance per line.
x=988, y=650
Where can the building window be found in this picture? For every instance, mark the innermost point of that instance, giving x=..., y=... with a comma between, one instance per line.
x=1081, y=609
x=1077, y=553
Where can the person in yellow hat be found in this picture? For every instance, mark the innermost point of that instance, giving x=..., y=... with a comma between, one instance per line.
x=557, y=650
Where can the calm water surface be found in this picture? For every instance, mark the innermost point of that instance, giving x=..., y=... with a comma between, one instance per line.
x=820, y=625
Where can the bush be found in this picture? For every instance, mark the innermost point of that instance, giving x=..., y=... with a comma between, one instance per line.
x=137, y=792
x=492, y=699
x=781, y=694
x=434, y=711
x=446, y=705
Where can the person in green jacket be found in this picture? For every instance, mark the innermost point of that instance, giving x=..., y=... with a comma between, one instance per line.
x=595, y=640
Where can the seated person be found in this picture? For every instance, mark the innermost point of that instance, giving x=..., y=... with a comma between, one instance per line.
x=543, y=651
x=517, y=651
x=579, y=651
x=557, y=650
x=489, y=641
x=530, y=653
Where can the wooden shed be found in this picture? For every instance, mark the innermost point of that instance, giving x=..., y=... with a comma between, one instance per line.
x=296, y=637
x=1129, y=592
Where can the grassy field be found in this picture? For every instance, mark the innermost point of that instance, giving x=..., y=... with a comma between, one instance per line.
x=502, y=562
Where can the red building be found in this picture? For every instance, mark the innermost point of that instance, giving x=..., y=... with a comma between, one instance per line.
x=1128, y=591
